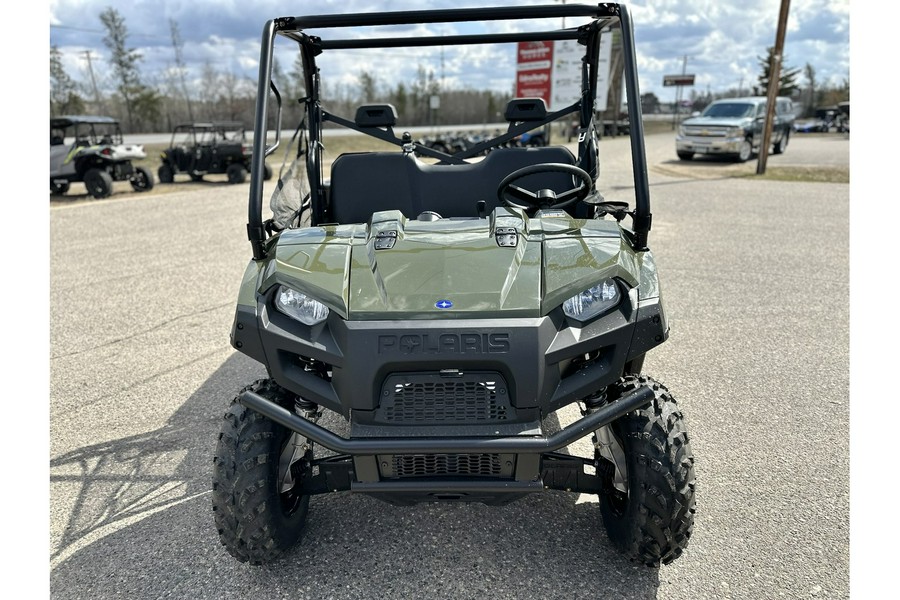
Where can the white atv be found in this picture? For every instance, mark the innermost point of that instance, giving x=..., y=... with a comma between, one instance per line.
x=90, y=149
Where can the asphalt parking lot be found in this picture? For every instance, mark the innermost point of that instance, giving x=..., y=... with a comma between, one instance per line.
x=754, y=274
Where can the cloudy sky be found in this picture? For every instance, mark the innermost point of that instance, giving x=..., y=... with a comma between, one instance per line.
x=720, y=38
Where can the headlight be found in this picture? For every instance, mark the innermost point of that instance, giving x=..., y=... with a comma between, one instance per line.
x=681, y=131
x=734, y=132
x=300, y=306
x=593, y=301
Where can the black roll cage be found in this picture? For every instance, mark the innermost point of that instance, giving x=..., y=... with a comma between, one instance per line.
x=604, y=15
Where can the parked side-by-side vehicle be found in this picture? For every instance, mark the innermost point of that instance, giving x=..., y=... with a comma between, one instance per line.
x=199, y=149
x=447, y=304
x=90, y=149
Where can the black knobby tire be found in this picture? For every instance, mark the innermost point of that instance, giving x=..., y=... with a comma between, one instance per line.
x=59, y=188
x=142, y=180
x=267, y=172
x=166, y=174
x=236, y=173
x=653, y=522
x=782, y=144
x=685, y=155
x=99, y=183
x=256, y=522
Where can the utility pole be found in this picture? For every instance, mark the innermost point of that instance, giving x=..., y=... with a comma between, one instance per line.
x=97, y=101
x=774, y=84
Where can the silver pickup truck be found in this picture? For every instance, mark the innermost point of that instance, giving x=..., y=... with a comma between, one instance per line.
x=734, y=127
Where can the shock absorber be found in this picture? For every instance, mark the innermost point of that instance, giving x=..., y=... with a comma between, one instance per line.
x=298, y=448
x=307, y=409
x=607, y=446
x=594, y=402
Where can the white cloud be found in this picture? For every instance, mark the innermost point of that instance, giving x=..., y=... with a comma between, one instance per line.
x=722, y=39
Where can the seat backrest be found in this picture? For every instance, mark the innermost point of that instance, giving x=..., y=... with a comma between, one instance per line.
x=368, y=182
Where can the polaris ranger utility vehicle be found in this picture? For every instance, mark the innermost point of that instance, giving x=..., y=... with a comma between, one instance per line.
x=95, y=154
x=198, y=149
x=446, y=306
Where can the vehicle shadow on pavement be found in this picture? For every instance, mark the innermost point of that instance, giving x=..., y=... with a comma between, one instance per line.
x=139, y=524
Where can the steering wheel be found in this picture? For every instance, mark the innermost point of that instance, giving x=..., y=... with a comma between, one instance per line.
x=520, y=198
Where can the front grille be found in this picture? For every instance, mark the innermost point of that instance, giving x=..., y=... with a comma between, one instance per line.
x=460, y=465
x=695, y=131
x=441, y=398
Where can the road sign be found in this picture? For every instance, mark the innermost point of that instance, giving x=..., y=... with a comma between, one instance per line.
x=670, y=80
x=534, y=67
x=552, y=71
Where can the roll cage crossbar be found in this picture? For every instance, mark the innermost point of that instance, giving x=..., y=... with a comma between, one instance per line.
x=604, y=16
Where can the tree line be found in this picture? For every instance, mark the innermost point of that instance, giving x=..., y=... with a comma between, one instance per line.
x=808, y=94
x=141, y=106
x=224, y=96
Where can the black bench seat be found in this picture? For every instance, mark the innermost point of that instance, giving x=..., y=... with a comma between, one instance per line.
x=363, y=183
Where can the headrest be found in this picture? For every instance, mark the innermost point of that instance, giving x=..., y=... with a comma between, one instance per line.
x=526, y=109
x=376, y=115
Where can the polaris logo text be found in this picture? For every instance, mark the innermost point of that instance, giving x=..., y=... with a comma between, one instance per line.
x=445, y=343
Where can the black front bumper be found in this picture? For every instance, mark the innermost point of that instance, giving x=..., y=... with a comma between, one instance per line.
x=449, y=409
x=493, y=470
x=540, y=364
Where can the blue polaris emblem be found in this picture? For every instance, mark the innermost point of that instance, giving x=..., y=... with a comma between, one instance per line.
x=443, y=304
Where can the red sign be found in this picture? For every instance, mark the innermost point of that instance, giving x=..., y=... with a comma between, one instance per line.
x=534, y=70
x=670, y=80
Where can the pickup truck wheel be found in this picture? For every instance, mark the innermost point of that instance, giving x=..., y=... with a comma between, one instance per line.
x=745, y=151
x=236, y=173
x=685, y=155
x=781, y=146
x=98, y=183
x=142, y=180
x=651, y=522
x=257, y=521
x=166, y=174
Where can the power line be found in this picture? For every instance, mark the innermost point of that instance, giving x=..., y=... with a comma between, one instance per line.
x=101, y=32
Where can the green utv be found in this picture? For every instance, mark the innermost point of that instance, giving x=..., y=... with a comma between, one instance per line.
x=446, y=305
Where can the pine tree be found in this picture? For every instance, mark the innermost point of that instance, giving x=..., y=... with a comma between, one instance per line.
x=787, y=80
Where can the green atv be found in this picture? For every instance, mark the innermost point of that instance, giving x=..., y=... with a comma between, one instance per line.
x=446, y=305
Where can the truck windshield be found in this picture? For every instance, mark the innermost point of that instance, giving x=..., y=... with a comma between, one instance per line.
x=729, y=109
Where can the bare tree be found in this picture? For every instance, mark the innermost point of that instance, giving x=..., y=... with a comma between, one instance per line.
x=141, y=102
x=178, y=46
x=64, y=97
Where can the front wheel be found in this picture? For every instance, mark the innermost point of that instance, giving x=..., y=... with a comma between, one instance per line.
x=685, y=155
x=267, y=172
x=58, y=188
x=652, y=519
x=258, y=511
x=745, y=151
x=166, y=174
x=142, y=180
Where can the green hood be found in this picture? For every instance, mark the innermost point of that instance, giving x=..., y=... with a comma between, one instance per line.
x=456, y=264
